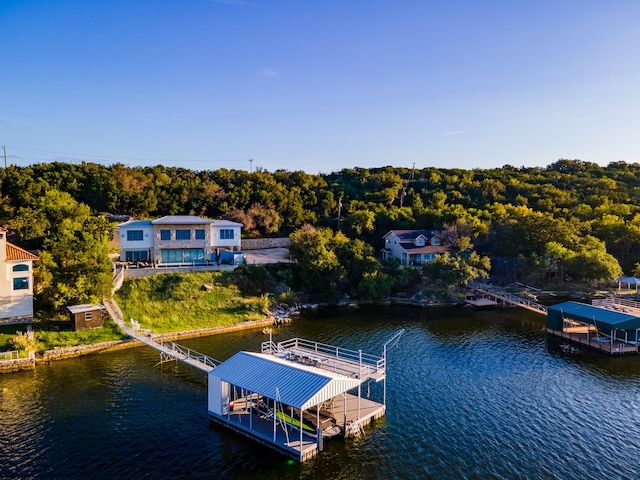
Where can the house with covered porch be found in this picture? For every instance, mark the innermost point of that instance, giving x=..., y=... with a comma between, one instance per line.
x=414, y=247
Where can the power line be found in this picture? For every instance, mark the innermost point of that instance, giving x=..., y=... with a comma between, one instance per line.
x=109, y=157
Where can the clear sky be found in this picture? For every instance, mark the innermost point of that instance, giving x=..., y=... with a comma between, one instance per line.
x=320, y=85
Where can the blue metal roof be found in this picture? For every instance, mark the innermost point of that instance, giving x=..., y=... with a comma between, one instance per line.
x=293, y=384
x=601, y=317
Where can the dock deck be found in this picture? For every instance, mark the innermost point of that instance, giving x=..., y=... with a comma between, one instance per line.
x=350, y=363
x=261, y=427
x=602, y=344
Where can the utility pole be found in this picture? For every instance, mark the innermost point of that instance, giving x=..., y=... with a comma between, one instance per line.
x=339, y=210
x=251, y=165
x=4, y=147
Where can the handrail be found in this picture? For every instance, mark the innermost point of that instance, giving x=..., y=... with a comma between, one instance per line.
x=10, y=355
x=338, y=352
x=513, y=299
x=171, y=349
x=188, y=353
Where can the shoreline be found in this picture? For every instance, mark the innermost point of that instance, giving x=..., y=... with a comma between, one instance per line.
x=56, y=354
x=80, y=350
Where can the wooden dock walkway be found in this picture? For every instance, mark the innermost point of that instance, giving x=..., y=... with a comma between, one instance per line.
x=500, y=296
x=168, y=350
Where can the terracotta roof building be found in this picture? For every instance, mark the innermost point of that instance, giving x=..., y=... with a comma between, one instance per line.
x=16, y=282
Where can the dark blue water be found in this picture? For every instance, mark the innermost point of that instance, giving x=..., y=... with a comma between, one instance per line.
x=470, y=395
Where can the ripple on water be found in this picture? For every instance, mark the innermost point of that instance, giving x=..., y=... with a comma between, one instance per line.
x=469, y=396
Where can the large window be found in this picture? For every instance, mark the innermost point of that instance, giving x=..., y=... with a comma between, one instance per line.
x=193, y=255
x=134, y=235
x=186, y=255
x=165, y=234
x=183, y=234
x=137, y=256
x=21, y=283
x=199, y=234
x=226, y=234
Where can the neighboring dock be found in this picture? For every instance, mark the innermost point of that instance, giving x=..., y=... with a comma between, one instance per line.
x=610, y=325
x=608, y=330
x=485, y=296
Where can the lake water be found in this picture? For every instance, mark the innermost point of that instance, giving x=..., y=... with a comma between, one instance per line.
x=473, y=395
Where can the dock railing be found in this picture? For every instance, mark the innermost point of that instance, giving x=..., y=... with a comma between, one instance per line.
x=181, y=353
x=619, y=304
x=512, y=299
x=328, y=357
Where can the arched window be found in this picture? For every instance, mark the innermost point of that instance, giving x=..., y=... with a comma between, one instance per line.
x=21, y=268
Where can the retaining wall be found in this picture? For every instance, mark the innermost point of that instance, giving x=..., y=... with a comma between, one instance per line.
x=17, y=365
x=262, y=243
x=77, y=351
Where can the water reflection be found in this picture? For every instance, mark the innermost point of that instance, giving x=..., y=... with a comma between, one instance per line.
x=470, y=395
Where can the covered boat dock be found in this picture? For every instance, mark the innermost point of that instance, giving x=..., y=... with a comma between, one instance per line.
x=610, y=331
x=294, y=394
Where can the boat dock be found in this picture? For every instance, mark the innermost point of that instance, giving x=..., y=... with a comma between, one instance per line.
x=592, y=340
x=289, y=396
x=294, y=394
x=607, y=330
x=284, y=436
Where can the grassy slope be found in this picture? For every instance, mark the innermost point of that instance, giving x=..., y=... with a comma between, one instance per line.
x=174, y=302
x=163, y=303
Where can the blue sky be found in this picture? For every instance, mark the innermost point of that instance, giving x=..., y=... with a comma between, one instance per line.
x=320, y=85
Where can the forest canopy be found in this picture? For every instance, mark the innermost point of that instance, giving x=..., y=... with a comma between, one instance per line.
x=542, y=219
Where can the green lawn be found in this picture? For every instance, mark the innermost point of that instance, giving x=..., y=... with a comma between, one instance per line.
x=163, y=303
x=173, y=302
x=47, y=340
x=7, y=332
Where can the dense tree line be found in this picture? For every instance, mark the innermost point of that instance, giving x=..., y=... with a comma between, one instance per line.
x=558, y=218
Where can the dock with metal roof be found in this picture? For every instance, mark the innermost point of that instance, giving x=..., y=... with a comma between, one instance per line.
x=615, y=332
x=294, y=394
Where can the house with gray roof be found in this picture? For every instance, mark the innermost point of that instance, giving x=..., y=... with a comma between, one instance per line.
x=177, y=239
x=414, y=247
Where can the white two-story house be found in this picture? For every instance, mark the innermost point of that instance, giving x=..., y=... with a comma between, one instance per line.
x=177, y=239
x=16, y=283
x=414, y=247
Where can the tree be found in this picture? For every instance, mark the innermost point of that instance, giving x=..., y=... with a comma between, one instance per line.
x=320, y=272
x=456, y=270
x=74, y=265
x=592, y=263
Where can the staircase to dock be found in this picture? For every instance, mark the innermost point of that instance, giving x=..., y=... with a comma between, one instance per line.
x=168, y=350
